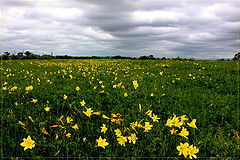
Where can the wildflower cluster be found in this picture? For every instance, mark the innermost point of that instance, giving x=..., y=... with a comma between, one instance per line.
x=179, y=122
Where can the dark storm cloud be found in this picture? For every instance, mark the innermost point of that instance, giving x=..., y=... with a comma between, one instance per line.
x=128, y=28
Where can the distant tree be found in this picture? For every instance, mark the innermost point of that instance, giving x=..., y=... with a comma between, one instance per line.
x=7, y=53
x=143, y=57
x=163, y=58
x=27, y=53
x=236, y=57
x=20, y=54
x=151, y=57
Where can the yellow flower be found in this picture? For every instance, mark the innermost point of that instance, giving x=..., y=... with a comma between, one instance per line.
x=69, y=119
x=140, y=107
x=173, y=131
x=102, y=86
x=4, y=88
x=113, y=115
x=21, y=123
x=29, y=88
x=31, y=118
x=125, y=94
x=136, y=124
x=151, y=95
x=64, y=97
x=115, y=86
x=77, y=88
x=184, y=133
x=82, y=103
x=183, y=149
x=105, y=117
x=102, y=91
x=132, y=138
x=44, y=131
x=192, y=124
x=88, y=112
x=192, y=151
x=102, y=142
x=155, y=118
x=135, y=84
x=149, y=113
x=68, y=135
x=122, y=140
x=5, y=83
x=96, y=113
x=183, y=118
x=169, y=123
x=95, y=87
x=117, y=132
x=104, y=128
x=75, y=127
x=47, y=109
x=100, y=82
x=34, y=100
x=147, y=127
x=28, y=143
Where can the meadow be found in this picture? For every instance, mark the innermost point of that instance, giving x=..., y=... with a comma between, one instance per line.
x=119, y=108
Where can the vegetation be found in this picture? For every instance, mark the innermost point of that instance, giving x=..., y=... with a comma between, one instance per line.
x=119, y=108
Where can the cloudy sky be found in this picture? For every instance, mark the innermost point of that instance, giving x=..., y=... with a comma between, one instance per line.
x=133, y=28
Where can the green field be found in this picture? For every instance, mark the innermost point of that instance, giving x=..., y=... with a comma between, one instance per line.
x=207, y=91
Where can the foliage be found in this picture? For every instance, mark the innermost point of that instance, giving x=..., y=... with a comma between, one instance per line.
x=65, y=106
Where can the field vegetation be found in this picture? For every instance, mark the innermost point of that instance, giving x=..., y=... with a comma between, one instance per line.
x=119, y=108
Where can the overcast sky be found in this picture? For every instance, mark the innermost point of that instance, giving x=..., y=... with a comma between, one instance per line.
x=128, y=28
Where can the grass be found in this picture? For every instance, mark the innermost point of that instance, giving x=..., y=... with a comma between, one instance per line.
x=207, y=91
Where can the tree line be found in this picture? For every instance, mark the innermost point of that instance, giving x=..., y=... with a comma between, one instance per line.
x=30, y=55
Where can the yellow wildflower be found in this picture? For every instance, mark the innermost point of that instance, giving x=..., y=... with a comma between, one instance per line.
x=115, y=86
x=104, y=128
x=117, y=132
x=192, y=151
x=105, y=117
x=125, y=94
x=183, y=149
x=183, y=118
x=4, y=88
x=75, y=127
x=31, y=118
x=69, y=119
x=47, y=109
x=169, y=123
x=149, y=113
x=82, y=103
x=132, y=138
x=64, y=97
x=77, y=88
x=29, y=88
x=96, y=113
x=88, y=112
x=68, y=135
x=184, y=133
x=44, y=131
x=155, y=118
x=173, y=131
x=102, y=142
x=28, y=143
x=147, y=127
x=192, y=124
x=21, y=123
x=34, y=100
x=122, y=140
